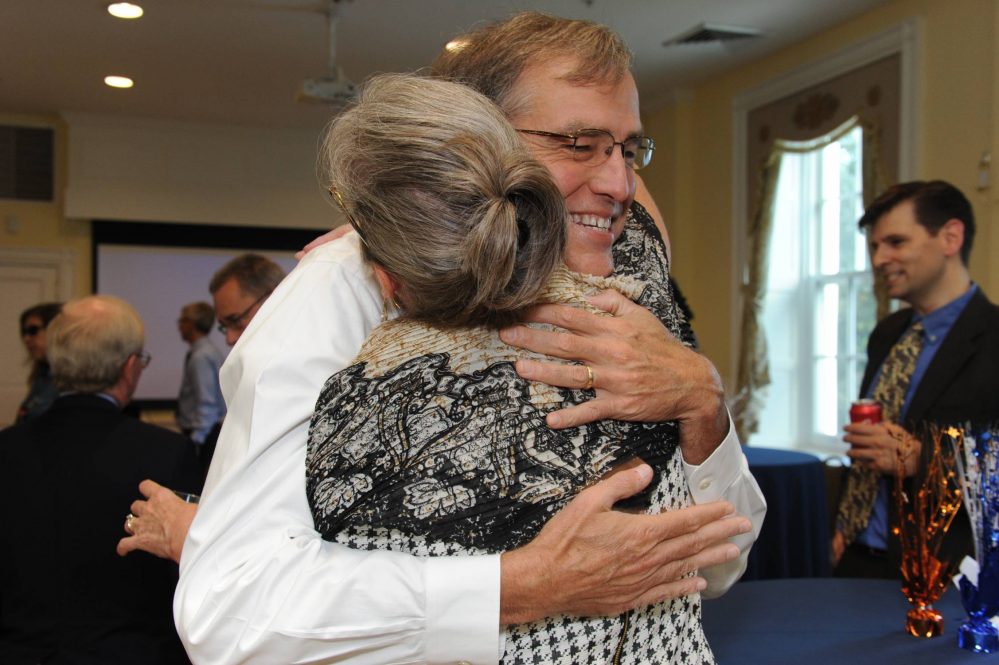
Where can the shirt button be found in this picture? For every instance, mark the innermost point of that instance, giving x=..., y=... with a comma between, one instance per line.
x=704, y=484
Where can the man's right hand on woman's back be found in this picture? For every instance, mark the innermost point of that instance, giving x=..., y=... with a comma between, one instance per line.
x=591, y=560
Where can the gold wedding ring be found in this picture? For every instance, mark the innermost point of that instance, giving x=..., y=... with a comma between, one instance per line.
x=128, y=523
x=589, y=378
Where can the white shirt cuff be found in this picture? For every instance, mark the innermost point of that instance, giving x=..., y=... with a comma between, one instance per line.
x=463, y=609
x=709, y=479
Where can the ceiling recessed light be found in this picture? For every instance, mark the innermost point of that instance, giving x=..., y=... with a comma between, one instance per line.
x=124, y=10
x=455, y=45
x=119, y=81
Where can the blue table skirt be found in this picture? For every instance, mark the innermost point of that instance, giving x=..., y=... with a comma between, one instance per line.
x=794, y=540
x=829, y=620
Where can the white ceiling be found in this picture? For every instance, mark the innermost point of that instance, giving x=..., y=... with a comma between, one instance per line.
x=242, y=61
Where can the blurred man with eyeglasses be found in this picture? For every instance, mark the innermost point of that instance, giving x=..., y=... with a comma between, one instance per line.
x=67, y=480
x=239, y=288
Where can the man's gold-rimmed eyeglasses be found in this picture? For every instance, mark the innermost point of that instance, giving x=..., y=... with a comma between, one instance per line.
x=593, y=147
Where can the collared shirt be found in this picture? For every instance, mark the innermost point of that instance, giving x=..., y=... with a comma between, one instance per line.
x=936, y=325
x=103, y=396
x=200, y=405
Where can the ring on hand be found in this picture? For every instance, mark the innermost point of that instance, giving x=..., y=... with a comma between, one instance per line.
x=128, y=523
x=589, y=378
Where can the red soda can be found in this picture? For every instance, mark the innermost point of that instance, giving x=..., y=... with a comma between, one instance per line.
x=865, y=411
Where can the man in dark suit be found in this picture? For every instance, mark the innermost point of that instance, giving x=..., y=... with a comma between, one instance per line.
x=66, y=481
x=921, y=235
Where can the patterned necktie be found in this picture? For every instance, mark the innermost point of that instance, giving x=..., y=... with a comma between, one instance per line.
x=893, y=382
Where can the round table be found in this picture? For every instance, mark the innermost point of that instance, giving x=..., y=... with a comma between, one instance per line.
x=794, y=539
x=829, y=620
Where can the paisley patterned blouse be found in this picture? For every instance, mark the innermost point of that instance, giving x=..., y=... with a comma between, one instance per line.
x=431, y=444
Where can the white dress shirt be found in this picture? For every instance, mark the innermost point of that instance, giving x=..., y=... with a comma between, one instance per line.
x=258, y=584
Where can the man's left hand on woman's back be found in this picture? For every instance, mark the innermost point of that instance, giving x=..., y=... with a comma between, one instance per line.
x=641, y=372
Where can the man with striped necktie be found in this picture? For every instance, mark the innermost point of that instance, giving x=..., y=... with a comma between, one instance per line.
x=936, y=361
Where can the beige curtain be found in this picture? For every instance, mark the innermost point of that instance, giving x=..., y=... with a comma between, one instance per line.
x=753, y=369
x=875, y=182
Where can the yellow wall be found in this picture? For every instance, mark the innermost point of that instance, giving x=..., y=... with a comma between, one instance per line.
x=957, y=93
x=42, y=225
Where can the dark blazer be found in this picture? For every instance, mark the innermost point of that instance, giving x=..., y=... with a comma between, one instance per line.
x=961, y=384
x=67, y=480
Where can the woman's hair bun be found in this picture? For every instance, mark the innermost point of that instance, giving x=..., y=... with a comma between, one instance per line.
x=446, y=199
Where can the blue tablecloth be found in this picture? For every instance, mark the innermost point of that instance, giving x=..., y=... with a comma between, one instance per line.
x=794, y=540
x=831, y=621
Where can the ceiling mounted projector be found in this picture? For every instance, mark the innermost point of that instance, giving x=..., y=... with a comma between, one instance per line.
x=327, y=90
x=333, y=88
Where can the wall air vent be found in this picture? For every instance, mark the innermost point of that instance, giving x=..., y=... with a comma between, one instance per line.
x=26, y=163
x=708, y=33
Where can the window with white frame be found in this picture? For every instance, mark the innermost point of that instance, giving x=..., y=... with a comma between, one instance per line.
x=819, y=305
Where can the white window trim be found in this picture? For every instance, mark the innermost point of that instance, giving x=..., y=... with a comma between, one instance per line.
x=809, y=280
x=905, y=39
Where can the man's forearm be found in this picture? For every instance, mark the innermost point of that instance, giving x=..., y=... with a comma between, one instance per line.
x=703, y=417
x=702, y=433
x=303, y=600
x=522, y=599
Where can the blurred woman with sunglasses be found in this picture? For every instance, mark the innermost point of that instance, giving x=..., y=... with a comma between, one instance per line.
x=41, y=391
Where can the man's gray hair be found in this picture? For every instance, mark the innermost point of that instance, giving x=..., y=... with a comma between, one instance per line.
x=201, y=314
x=90, y=340
x=256, y=275
x=492, y=58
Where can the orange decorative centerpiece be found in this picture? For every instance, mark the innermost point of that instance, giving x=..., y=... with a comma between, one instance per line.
x=926, y=505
